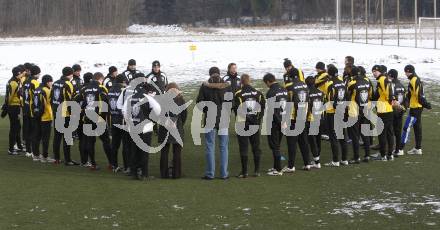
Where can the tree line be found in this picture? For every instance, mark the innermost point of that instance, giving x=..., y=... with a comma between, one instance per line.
x=57, y=17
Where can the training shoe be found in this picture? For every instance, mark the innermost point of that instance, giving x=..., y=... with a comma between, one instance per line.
x=415, y=151
x=325, y=137
x=257, y=174
x=271, y=170
x=288, y=170
x=117, y=169
x=316, y=165
x=94, y=168
x=399, y=153
x=307, y=168
x=275, y=173
x=36, y=158
x=127, y=171
x=70, y=163
x=390, y=158
x=332, y=164
x=384, y=158
x=354, y=161
x=13, y=153
x=366, y=159
x=28, y=154
x=207, y=178
x=344, y=163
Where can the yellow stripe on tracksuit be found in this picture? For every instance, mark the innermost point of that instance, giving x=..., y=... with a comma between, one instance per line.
x=45, y=96
x=414, y=93
x=384, y=91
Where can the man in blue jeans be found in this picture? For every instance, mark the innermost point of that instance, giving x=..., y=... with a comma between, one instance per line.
x=213, y=91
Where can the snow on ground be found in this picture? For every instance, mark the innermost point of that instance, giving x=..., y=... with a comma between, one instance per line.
x=255, y=57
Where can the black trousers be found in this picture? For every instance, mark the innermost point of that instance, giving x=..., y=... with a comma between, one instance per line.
x=27, y=132
x=90, y=142
x=417, y=113
x=82, y=143
x=119, y=137
x=243, y=143
x=176, y=171
x=274, y=140
x=314, y=141
x=139, y=157
x=42, y=130
x=386, y=138
x=14, y=127
x=58, y=137
x=397, y=128
x=293, y=141
x=334, y=141
x=354, y=132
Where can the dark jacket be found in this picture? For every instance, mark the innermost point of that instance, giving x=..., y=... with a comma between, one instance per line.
x=248, y=97
x=234, y=82
x=298, y=93
x=116, y=116
x=159, y=79
x=281, y=97
x=178, y=119
x=214, y=91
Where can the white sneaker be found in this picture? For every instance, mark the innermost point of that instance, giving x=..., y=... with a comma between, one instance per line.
x=307, y=168
x=375, y=155
x=43, y=160
x=344, y=163
x=275, y=173
x=50, y=160
x=399, y=153
x=415, y=151
x=390, y=158
x=36, y=158
x=332, y=164
x=288, y=170
x=325, y=137
x=28, y=154
x=271, y=170
x=316, y=166
x=384, y=158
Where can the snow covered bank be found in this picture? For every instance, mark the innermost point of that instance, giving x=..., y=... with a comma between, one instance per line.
x=254, y=57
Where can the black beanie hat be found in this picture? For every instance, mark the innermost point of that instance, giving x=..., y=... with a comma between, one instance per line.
x=138, y=75
x=293, y=73
x=410, y=69
x=87, y=77
x=376, y=68
x=67, y=71
x=332, y=71
x=112, y=69
x=214, y=70
x=155, y=63
x=119, y=79
x=320, y=65
x=46, y=78
x=16, y=71
x=132, y=62
x=287, y=62
x=310, y=81
x=393, y=73
x=35, y=70
x=362, y=70
x=76, y=68
x=383, y=69
x=355, y=71
x=27, y=66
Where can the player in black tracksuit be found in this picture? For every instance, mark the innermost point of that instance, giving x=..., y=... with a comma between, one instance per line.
x=280, y=95
x=360, y=92
x=116, y=118
x=232, y=78
x=246, y=101
x=131, y=71
x=336, y=95
x=88, y=77
x=109, y=80
x=157, y=81
x=94, y=92
x=399, y=111
x=138, y=113
x=316, y=107
x=13, y=106
x=299, y=95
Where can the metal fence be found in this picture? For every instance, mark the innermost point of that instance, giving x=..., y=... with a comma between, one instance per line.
x=354, y=24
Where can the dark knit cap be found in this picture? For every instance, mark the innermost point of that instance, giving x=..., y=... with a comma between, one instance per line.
x=393, y=73
x=67, y=71
x=35, y=70
x=132, y=62
x=46, y=79
x=320, y=65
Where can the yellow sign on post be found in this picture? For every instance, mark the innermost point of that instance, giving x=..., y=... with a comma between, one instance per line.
x=192, y=48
